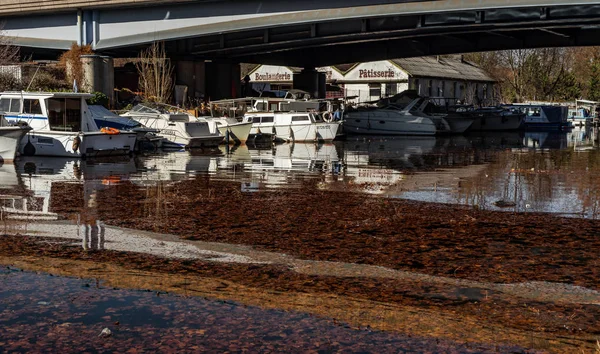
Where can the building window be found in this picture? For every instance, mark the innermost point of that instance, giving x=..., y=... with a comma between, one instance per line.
x=375, y=90
x=440, y=92
x=391, y=89
x=454, y=89
x=430, y=88
x=485, y=91
x=417, y=86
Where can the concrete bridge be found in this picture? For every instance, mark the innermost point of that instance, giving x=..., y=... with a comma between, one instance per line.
x=300, y=33
x=208, y=38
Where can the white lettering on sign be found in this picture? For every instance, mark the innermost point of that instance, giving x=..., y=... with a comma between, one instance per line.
x=272, y=77
x=376, y=74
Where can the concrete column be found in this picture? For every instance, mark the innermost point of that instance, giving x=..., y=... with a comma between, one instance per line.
x=193, y=75
x=98, y=75
x=222, y=80
x=311, y=81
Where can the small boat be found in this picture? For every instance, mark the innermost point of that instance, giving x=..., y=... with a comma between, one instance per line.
x=263, y=125
x=10, y=136
x=62, y=125
x=302, y=126
x=234, y=131
x=389, y=121
x=179, y=128
x=494, y=118
x=544, y=117
x=147, y=138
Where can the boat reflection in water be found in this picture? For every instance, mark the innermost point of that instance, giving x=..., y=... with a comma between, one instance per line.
x=530, y=171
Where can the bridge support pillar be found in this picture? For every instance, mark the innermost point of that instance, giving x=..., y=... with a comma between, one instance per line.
x=98, y=75
x=193, y=75
x=311, y=81
x=223, y=80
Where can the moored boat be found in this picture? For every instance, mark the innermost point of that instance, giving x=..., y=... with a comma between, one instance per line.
x=296, y=126
x=495, y=118
x=181, y=129
x=10, y=136
x=62, y=126
x=388, y=121
x=544, y=117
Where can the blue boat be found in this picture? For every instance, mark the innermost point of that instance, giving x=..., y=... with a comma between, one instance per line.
x=544, y=117
x=146, y=137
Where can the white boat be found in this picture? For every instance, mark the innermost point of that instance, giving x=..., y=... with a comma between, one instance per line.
x=296, y=126
x=181, y=129
x=62, y=126
x=233, y=130
x=263, y=124
x=388, y=121
x=10, y=136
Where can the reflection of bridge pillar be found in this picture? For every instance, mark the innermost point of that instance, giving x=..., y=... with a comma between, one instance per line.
x=193, y=75
x=222, y=80
x=311, y=81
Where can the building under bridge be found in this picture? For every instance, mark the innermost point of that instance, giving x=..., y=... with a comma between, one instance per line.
x=448, y=78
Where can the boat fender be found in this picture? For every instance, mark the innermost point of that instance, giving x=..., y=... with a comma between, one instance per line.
x=110, y=131
x=327, y=117
x=76, y=143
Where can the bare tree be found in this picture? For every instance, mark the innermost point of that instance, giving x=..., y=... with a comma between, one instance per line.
x=156, y=73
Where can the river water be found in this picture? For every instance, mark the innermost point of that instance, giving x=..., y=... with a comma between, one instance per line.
x=513, y=171
x=518, y=171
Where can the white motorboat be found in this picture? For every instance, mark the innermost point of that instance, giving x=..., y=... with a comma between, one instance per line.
x=180, y=128
x=388, y=121
x=233, y=130
x=10, y=136
x=295, y=126
x=62, y=126
x=263, y=124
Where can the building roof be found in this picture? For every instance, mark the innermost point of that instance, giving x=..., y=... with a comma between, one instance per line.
x=443, y=67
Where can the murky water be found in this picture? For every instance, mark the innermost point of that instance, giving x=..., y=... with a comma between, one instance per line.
x=42, y=313
x=525, y=172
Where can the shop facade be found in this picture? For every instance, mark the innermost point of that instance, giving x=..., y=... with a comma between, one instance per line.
x=447, y=79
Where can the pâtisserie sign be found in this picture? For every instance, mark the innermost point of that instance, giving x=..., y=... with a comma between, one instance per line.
x=373, y=74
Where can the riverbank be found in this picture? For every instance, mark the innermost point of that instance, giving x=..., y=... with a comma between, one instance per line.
x=430, y=270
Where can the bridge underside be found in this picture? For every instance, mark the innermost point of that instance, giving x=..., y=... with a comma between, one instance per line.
x=335, y=37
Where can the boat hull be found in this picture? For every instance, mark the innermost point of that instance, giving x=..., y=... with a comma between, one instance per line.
x=307, y=132
x=236, y=133
x=69, y=144
x=204, y=142
x=496, y=122
x=413, y=125
x=10, y=138
x=459, y=125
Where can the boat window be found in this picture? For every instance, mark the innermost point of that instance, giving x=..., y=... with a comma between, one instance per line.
x=5, y=104
x=267, y=119
x=15, y=105
x=255, y=119
x=64, y=114
x=32, y=106
x=144, y=109
x=316, y=117
x=300, y=118
x=261, y=106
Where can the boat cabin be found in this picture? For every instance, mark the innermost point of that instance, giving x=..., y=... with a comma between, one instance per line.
x=60, y=111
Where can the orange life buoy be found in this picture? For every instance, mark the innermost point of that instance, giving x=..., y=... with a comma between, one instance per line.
x=110, y=131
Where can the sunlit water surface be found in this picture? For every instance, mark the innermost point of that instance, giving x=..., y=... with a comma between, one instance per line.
x=516, y=171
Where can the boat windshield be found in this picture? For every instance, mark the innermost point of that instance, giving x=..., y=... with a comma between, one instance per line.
x=140, y=108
